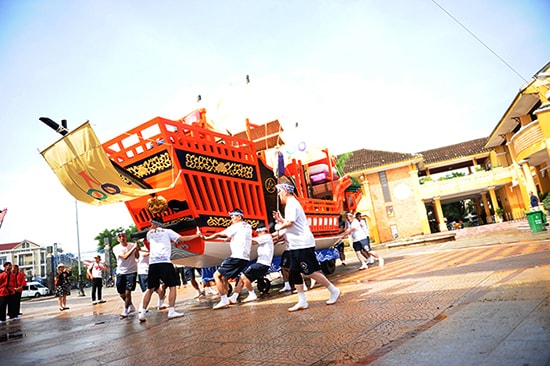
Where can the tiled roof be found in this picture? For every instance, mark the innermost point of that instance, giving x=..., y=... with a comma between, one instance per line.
x=366, y=159
x=8, y=246
x=461, y=150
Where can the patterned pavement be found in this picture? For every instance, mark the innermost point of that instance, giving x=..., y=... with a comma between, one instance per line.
x=381, y=311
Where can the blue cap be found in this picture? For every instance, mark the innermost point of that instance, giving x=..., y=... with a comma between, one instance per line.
x=285, y=187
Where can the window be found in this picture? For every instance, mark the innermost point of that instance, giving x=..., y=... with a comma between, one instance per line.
x=385, y=188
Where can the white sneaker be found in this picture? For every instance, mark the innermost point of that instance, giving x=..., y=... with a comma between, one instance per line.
x=174, y=314
x=141, y=316
x=94, y=302
x=221, y=305
x=380, y=262
x=370, y=260
x=163, y=305
x=124, y=314
x=285, y=289
x=299, y=306
x=251, y=297
x=363, y=266
x=131, y=309
x=233, y=299
x=333, y=297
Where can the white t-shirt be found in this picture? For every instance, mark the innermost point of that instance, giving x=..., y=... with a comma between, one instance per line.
x=143, y=263
x=298, y=235
x=241, y=239
x=97, y=269
x=265, y=249
x=365, y=227
x=160, y=244
x=358, y=233
x=128, y=265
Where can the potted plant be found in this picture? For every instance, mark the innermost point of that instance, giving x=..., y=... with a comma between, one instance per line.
x=546, y=203
x=499, y=212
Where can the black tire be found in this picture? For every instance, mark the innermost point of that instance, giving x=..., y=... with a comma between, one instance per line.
x=37, y=295
x=328, y=267
x=263, y=285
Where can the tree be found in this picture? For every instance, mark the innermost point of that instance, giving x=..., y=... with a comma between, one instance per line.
x=341, y=162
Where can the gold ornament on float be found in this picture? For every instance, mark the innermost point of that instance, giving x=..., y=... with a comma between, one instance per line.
x=157, y=205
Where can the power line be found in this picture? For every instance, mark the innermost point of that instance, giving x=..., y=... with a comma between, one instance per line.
x=480, y=41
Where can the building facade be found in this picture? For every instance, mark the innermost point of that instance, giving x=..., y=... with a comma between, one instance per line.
x=404, y=194
x=30, y=257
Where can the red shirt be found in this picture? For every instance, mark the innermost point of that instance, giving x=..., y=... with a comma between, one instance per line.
x=7, y=283
x=20, y=280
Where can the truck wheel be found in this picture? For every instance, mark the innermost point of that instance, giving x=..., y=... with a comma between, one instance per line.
x=328, y=267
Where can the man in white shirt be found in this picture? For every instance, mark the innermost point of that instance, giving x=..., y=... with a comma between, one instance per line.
x=258, y=269
x=301, y=245
x=240, y=235
x=95, y=273
x=126, y=254
x=358, y=238
x=161, y=267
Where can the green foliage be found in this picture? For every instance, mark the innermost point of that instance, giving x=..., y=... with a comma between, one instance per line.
x=425, y=179
x=546, y=201
x=454, y=211
x=452, y=175
x=341, y=163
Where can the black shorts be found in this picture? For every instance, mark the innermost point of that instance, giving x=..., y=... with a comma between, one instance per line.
x=126, y=282
x=162, y=271
x=232, y=267
x=304, y=261
x=361, y=244
x=339, y=246
x=256, y=271
x=285, y=259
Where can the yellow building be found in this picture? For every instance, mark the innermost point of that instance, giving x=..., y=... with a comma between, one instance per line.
x=404, y=194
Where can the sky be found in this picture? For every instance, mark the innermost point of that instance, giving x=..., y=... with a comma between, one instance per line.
x=402, y=76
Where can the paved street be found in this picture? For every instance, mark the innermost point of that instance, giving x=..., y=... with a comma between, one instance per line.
x=483, y=299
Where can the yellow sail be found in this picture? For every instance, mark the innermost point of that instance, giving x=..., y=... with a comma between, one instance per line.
x=83, y=168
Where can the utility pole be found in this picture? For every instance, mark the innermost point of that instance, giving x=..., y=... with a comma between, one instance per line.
x=80, y=284
x=107, y=250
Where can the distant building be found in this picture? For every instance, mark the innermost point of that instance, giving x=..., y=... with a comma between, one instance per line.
x=29, y=256
x=404, y=194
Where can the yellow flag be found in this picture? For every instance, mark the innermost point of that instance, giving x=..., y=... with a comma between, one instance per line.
x=85, y=170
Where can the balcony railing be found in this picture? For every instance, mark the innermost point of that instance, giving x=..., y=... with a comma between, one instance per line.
x=472, y=182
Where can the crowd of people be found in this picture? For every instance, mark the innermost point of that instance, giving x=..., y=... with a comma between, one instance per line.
x=155, y=273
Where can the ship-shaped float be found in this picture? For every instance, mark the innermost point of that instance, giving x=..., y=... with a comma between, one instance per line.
x=191, y=175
